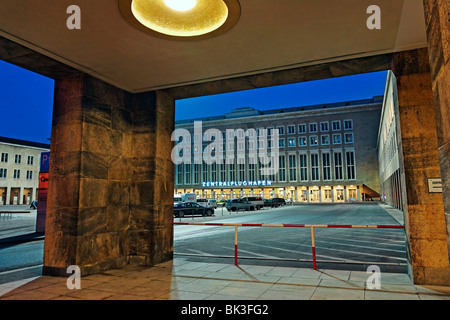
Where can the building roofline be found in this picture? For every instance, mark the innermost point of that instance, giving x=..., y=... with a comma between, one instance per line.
x=256, y=113
x=24, y=143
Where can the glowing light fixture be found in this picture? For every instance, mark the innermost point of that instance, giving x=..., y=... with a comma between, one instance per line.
x=181, y=19
x=181, y=5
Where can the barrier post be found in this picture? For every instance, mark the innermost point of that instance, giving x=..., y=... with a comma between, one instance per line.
x=235, y=244
x=313, y=245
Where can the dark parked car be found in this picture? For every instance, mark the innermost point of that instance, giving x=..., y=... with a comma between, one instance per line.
x=276, y=202
x=191, y=208
x=268, y=203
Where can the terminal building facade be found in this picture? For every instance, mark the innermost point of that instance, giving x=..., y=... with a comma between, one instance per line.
x=325, y=153
x=19, y=170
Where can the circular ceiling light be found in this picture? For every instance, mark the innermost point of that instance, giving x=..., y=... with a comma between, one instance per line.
x=181, y=19
x=181, y=5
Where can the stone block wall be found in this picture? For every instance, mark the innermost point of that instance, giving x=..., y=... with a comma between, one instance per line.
x=110, y=158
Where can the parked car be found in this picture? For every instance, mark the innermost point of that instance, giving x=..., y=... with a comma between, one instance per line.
x=258, y=202
x=239, y=204
x=222, y=202
x=191, y=208
x=268, y=203
x=208, y=203
x=276, y=202
x=212, y=203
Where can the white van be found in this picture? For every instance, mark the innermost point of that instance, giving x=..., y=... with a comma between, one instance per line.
x=184, y=197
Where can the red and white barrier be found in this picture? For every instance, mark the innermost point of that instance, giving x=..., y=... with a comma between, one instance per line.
x=312, y=226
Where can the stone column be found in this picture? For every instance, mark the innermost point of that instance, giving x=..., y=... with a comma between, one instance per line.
x=109, y=184
x=419, y=161
x=438, y=32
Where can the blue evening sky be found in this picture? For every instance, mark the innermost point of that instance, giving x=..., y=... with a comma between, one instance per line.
x=26, y=99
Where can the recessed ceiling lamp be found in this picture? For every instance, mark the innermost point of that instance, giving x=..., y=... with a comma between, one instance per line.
x=181, y=19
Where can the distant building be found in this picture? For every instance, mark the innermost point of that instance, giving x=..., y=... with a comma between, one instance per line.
x=326, y=153
x=19, y=170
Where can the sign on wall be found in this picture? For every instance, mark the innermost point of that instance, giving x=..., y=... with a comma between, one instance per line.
x=435, y=185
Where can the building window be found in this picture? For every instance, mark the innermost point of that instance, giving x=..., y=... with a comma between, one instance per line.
x=260, y=132
x=314, y=167
x=280, y=131
x=336, y=125
x=325, y=140
x=260, y=144
x=197, y=167
x=291, y=129
x=16, y=174
x=223, y=172
x=251, y=171
x=29, y=175
x=281, y=143
x=348, y=124
x=302, y=128
x=17, y=158
x=313, y=127
x=4, y=157
x=232, y=171
x=214, y=171
x=303, y=167
x=179, y=174
x=338, y=166
x=302, y=142
x=348, y=137
x=337, y=139
x=282, y=169
x=324, y=126
x=326, y=166
x=187, y=174
x=241, y=167
x=313, y=140
x=269, y=132
x=350, y=160
x=291, y=142
x=3, y=172
x=292, y=168
x=205, y=172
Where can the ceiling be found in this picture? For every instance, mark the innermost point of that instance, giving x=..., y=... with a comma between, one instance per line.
x=269, y=36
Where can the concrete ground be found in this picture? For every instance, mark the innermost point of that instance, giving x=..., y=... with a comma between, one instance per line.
x=180, y=279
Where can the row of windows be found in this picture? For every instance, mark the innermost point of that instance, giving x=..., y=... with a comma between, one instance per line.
x=16, y=174
x=302, y=141
x=17, y=158
x=314, y=140
x=326, y=166
x=314, y=127
x=291, y=129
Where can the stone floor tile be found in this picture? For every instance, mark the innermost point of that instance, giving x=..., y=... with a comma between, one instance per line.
x=297, y=293
x=387, y=295
x=324, y=293
x=204, y=286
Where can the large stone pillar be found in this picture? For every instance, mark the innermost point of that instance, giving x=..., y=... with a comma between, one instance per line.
x=108, y=179
x=437, y=17
x=419, y=161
